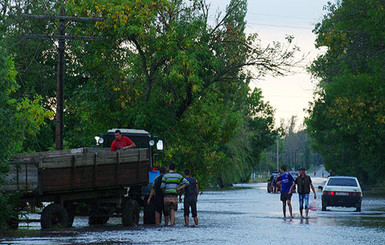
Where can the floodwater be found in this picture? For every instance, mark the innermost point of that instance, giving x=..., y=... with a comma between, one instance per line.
x=246, y=214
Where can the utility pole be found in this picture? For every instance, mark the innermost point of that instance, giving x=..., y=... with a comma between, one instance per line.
x=61, y=63
x=60, y=84
x=277, y=153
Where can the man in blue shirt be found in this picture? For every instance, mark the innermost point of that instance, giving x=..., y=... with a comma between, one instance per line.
x=287, y=180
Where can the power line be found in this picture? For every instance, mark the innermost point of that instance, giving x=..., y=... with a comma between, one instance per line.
x=281, y=26
x=282, y=16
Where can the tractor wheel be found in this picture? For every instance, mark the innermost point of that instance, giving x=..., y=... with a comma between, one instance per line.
x=130, y=213
x=54, y=215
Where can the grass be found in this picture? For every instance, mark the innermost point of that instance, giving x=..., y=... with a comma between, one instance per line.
x=374, y=191
x=261, y=178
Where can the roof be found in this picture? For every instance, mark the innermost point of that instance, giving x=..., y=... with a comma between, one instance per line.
x=128, y=131
x=347, y=177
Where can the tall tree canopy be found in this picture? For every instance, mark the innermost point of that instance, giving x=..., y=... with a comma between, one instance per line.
x=161, y=66
x=347, y=119
x=19, y=119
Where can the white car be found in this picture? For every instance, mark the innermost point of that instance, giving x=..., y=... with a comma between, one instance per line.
x=342, y=191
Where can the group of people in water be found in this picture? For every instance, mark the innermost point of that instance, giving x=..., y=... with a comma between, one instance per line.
x=165, y=191
x=166, y=188
x=303, y=183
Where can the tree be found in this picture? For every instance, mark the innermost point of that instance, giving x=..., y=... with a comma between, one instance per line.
x=20, y=119
x=346, y=120
x=294, y=149
x=35, y=60
x=172, y=73
x=162, y=67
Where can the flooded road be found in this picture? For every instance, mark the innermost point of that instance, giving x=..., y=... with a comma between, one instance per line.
x=246, y=214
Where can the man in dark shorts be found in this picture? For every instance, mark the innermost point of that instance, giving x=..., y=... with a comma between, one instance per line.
x=287, y=181
x=172, y=183
x=156, y=197
x=190, y=198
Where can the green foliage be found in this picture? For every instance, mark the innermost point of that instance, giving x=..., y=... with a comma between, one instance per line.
x=35, y=61
x=20, y=118
x=347, y=118
x=162, y=67
x=7, y=211
x=294, y=149
x=7, y=86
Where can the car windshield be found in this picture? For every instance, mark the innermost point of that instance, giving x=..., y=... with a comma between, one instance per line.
x=342, y=182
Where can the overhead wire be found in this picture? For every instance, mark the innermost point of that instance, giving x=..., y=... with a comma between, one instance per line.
x=310, y=26
x=281, y=16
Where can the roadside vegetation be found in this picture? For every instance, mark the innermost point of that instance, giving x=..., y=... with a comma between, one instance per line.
x=169, y=67
x=347, y=118
x=19, y=117
x=294, y=150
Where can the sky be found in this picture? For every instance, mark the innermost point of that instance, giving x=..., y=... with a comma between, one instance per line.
x=273, y=20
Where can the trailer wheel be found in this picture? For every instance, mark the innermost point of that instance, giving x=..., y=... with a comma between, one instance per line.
x=99, y=216
x=54, y=215
x=130, y=213
x=71, y=208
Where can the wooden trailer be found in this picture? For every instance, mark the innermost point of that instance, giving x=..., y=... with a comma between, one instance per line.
x=92, y=176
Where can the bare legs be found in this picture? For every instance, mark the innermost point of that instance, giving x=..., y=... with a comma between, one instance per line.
x=157, y=218
x=186, y=221
x=196, y=221
x=166, y=219
x=172, y=214
x=284, y=208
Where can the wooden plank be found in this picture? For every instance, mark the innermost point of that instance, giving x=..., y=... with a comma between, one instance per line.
x=116, y=169
x=21, y=177
x=73, y=162
x=34, y=157
x=133, y=174
x=84, y=177
x=105, y=176
x=58, y=179
x=85, y=159
x=68, y=170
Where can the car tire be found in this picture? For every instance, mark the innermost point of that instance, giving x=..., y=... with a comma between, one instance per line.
x=358, y=207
